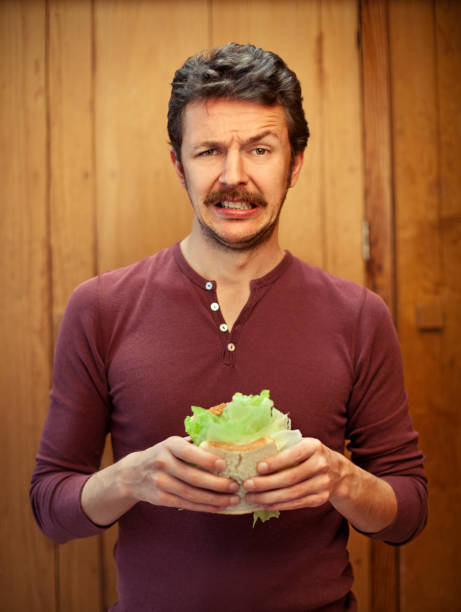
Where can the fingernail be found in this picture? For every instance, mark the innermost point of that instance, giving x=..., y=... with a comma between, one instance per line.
x=235, y=499
x=263, y=467
x=219, y=465
x=233, y=486
x=249, y=485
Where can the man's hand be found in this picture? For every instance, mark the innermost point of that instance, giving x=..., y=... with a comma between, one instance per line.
x=310, y=474
x=173, y=473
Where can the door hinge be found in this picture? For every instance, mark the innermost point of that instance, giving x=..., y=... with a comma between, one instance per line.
x=365, y=240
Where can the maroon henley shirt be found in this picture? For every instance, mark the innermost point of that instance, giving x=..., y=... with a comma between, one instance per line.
x=138, y=346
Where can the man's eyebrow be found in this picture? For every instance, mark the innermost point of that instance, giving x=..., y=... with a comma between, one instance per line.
x=216, y=144
x=260, y=136
x=207, y=144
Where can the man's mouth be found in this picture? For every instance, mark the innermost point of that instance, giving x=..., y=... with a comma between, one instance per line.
x=237, y=205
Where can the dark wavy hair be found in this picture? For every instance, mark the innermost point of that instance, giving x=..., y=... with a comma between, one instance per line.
x=237, y=72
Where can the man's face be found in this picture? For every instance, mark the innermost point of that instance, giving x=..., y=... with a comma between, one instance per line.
x=236, y=168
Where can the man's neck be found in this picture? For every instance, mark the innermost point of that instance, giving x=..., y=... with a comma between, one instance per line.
x=227, y=266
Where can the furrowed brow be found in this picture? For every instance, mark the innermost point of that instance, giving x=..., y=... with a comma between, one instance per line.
x=207, y=144
x=260, y=136
x=216, y=144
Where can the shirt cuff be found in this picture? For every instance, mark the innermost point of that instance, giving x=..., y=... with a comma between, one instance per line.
x=74, y=520
x=411, y=512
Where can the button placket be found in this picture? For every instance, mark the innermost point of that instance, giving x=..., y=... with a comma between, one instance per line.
x=229, y=347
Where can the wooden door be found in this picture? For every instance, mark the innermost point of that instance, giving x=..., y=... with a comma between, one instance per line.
x=411, y=57
x=425, y=42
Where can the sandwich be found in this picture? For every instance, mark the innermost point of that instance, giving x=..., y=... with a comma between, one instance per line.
x=243, y=432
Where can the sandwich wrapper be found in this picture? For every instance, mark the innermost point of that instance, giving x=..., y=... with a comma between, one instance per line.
x=244, y=420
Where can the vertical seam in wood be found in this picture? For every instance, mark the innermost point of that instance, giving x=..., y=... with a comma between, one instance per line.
x=439, y=148
x=102, y=577
x=394, y=253
x=364, y=214
x=49, y=265
x=48, y=178
x=93, y=139
x=362, y=115
x=95, y=247
x=210, y=23
x=321, y=83
x=57, y=577
x=390, y=281
x=393, y=240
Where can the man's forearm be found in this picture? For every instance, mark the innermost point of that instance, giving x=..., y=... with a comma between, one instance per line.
x=310, y=474
x=366, y=501
x=104, y=497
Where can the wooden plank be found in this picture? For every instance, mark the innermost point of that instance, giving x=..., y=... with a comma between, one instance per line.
x=443, y=556
x=72, y=229
x=380, y=268
x=417, y=242
x=343, y=153
x=141, y=205
x=377, y=148
x=72, y=148
x=279, y=27
x=26, y=557
x=426, y=97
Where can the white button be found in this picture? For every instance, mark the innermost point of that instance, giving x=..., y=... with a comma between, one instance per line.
x=209, y=285
x=231, y=347
x=223, y=327
x=214, y=306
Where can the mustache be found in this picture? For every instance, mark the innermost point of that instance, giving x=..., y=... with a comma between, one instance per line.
x=235, y=195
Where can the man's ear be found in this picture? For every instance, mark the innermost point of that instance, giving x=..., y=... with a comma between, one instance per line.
x=297, y=165
x=178, y=167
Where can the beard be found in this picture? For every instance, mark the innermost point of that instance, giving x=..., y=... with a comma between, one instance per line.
x=245, y=243
x=253, y=240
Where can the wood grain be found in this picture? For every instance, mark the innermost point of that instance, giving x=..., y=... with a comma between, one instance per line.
x=343, y=187
x=72, y=216
x=141, y=205
x=380, y=268
x=378, y=148
x=72, y=144
x=426, y=98
x=26, y=557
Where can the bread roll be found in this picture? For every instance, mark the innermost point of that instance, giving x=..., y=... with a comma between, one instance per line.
x=241, y=461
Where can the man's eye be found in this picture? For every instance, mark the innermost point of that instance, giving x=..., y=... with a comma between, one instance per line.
x=208, y=152
x=260, y=151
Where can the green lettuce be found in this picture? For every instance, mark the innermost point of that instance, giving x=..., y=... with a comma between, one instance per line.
x=245, y=419
x=264, y=515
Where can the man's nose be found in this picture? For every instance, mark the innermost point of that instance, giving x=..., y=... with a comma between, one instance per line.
x=233, y=171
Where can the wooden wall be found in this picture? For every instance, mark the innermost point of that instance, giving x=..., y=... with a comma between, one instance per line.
x=86, y=185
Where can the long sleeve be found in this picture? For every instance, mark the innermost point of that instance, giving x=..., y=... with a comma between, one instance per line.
x=75, y=429
x=381, y=434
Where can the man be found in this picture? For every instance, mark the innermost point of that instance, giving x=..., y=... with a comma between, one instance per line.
x=227, y=310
